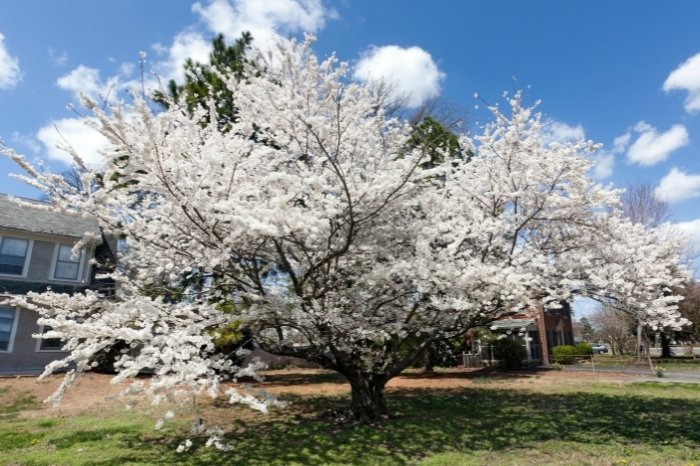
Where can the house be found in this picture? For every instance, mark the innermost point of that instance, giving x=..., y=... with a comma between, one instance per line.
x=35, y=254
x=538, y=330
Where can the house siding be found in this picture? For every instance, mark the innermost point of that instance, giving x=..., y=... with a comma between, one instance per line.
x=41, y=261
x=24, y=357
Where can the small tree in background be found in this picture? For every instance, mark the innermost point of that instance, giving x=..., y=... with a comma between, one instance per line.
x=587, y=329
x=616, y=329
x=643, y=207
x=690, y=309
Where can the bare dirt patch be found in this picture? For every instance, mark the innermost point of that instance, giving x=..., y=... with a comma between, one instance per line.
x=90, y=391
x=312, y=381
x=93, y=391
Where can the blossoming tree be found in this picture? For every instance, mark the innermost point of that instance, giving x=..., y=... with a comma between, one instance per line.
x=313, y=221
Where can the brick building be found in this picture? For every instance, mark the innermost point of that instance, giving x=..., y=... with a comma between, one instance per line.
x=538, y=330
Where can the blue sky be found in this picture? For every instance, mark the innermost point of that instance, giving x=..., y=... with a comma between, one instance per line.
x=623, y=73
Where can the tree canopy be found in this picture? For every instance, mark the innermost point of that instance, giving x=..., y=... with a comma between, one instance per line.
x=334, y=236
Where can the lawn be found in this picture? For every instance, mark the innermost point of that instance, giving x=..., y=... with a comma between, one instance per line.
x=449, y=419
x=622, y=362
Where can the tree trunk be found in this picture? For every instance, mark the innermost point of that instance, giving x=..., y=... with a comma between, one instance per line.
x=640, y=343
x=429, y=366
x=367, y=391
x=665, y=347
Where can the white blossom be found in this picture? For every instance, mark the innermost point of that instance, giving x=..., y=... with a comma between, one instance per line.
x=311, y=214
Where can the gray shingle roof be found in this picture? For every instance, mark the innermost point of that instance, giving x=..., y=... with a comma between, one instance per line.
x=40, y=220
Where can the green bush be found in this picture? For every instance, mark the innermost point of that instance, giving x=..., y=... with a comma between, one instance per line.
x=584, y=349
x=564, y=354
x=509, y=353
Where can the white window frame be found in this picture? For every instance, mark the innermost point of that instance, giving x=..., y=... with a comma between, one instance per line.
x=27, y=258
x=39, y=340
x=13, y=331
x=54, y=263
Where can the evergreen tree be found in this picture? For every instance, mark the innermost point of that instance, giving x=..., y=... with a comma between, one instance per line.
x=587, y=329
x=207, y=81
x=437, y=141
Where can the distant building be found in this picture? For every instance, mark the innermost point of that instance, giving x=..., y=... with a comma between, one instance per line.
x=538, y=330
x=35, y=255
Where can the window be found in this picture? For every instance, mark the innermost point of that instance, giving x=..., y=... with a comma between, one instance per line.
x=67, y=265
x=8, y=326
x=49, y=344
x=13, y=255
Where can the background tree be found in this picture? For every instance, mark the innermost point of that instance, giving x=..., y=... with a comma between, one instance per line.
x=437, y=142
x=207, y=83
x=584, y=329
x=435, y=137
x=616, y=329
x=643, y=207
x=72, y=177
x=690, y=309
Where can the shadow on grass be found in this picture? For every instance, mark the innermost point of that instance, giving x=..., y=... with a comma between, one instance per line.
x=297, y=378
x=10, y=408
x=466, y=419
x=89, y=436
x=426, y=422
x=489, y=373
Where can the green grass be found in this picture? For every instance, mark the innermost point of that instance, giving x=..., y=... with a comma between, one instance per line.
x=489, y=423
x=673, y=365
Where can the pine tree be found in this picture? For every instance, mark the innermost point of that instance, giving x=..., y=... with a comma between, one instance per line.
x=205, y=82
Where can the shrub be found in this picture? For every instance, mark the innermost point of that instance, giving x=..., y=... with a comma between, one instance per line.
x=564, y=354
x=584, y=349
x=509, y=353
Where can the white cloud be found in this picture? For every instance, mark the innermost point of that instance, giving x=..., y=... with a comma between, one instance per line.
x=10, y=73
x=87, y=81
x=556, y=131
x=605, y=159
x=126, y=69
x=58, y=59
x=621, y=142
x=411, y=72
x=604, y=165
x=86, y=140
x=28, y=142
x=187, y=44
x=692, y=230
x=677, y=186
x=642, y=127
x=687, y=78
x=652, y=147
x=266, y=20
